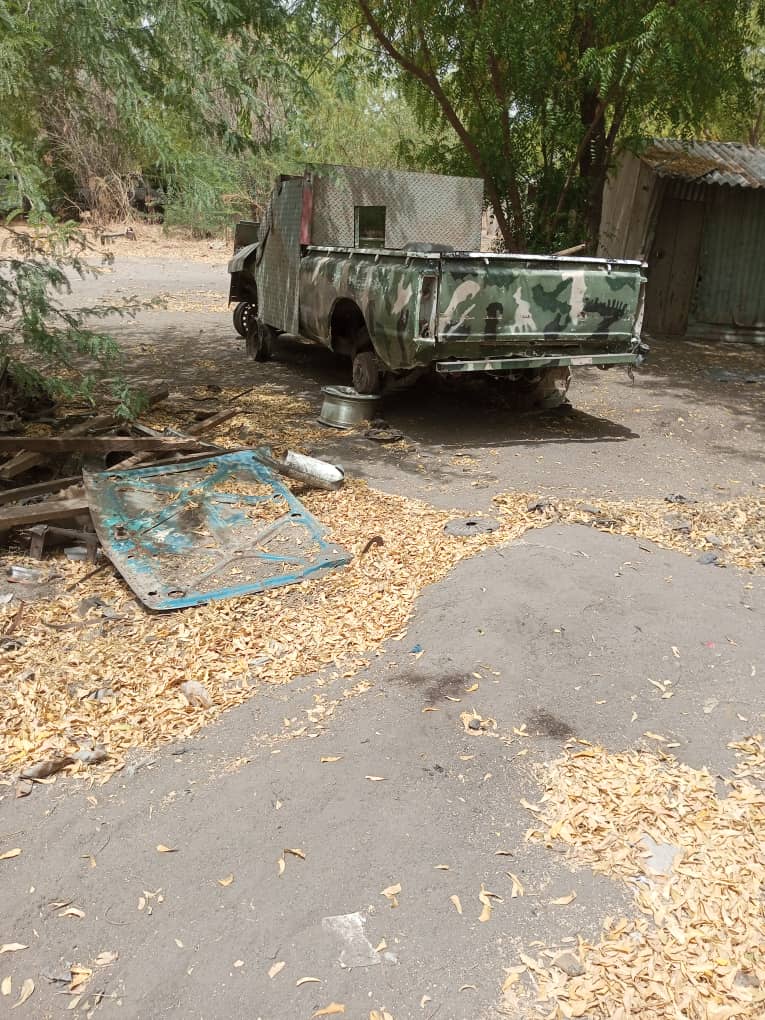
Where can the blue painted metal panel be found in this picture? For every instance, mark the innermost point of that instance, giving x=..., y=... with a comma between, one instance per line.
x=214, y=528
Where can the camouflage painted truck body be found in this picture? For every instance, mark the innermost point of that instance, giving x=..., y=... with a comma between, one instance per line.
x=424, y=295
x=466, y=312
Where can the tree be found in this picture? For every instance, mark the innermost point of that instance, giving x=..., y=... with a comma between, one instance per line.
x=540, y=95
x=92, y=94
x=741, y=117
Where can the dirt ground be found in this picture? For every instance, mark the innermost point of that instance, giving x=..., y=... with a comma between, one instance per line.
x=675, y=426
x=295, y=815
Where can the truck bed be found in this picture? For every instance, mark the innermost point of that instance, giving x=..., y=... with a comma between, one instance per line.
x=512, y=310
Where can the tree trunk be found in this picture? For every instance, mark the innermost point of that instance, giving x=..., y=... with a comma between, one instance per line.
x=592, y=163
x=429, y=79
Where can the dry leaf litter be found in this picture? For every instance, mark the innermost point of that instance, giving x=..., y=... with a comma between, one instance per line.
x=734, y=529
x=696, y=950
x=113, y=679
x=116, y=682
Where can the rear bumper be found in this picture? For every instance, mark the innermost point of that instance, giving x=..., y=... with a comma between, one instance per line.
x=520, y=364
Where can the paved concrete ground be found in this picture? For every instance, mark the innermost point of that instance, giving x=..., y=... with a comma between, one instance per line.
x=564, y=628
x=574, y=636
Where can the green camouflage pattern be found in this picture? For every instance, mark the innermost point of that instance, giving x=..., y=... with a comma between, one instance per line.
x=489, y=308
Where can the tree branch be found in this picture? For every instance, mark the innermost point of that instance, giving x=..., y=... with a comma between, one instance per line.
x=430, y=80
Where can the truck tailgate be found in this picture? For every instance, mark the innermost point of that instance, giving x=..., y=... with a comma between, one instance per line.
x=493, y=304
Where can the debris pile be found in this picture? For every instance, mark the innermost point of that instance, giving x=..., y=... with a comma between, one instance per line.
x=116, y=677
x=695, y=864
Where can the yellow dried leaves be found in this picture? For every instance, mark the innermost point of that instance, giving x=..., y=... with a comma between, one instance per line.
x=698, y=944
x=563, y=901
x=517, y=888
x=738, y=524
x=333, y=1009
x=27, y=989
x=486, y=897
x=391, y=894
x=229, y=648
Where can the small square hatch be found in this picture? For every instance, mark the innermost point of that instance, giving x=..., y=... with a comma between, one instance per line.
x=369, y=226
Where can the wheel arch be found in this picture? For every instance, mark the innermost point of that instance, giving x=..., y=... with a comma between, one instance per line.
x=243, y=287
x=347, y=328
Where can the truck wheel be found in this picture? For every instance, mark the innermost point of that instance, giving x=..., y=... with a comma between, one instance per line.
x=367, y=377
x=259, y=340
x=541, y=389
x=243, y=312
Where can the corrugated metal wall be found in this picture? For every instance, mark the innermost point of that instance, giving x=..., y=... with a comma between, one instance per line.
x=730, y=290
x=728, y=300
x=630, y=199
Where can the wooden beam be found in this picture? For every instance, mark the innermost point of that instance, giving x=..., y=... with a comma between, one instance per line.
x=198, y=429
x=28, y=458
x=95, y=444
x=52, y=510
x=39, y=489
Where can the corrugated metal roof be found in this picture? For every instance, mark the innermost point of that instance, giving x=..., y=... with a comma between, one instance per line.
x=731, y=163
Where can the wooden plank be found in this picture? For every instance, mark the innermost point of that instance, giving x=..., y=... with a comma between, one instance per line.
x=197, y=429
x=28, y=459
x=95, y=444
x=39, y=489
x=39, y=513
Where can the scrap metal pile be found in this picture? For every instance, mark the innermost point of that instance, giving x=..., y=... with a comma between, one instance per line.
x=197, y=528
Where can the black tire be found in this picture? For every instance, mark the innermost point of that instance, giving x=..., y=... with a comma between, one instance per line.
x=243, y=314
x=367, y=377
x=259, y=340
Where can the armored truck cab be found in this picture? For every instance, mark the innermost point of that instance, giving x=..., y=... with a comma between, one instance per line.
x=385, y=266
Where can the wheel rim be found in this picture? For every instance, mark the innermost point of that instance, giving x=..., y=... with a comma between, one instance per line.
x=248, y=316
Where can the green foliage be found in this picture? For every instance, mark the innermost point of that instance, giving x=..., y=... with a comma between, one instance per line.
x=541, y=95
x=89, y=95
x=741, y=116
x=42, y=340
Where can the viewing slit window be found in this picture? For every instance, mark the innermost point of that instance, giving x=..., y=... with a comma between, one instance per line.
x=370, y=226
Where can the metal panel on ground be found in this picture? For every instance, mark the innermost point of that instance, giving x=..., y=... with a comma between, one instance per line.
x=420, y=208
x=279, y=267
x=214, y=528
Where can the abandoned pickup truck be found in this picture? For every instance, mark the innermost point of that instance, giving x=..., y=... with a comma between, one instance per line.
x=385, y=267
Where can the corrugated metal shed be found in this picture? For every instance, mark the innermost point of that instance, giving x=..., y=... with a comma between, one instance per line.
x=696, y=212
x=731, y=163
